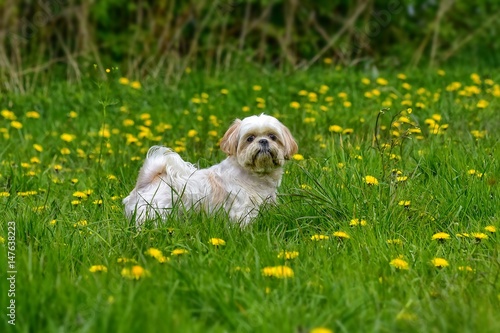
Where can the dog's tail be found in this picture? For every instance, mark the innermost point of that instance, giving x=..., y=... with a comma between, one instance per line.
x=162, y=164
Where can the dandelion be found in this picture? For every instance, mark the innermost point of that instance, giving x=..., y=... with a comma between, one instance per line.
x=124, y=81
x=440, y=236
x=347, y=104
x=479, y=236
x=356, y=222
x=320, y=330
x=441, y=72
x=2, y=240
x=465, y=269
x=365, y=81
x=32, y=115
x=16, y=124
x=157, y=254
x=135, y=84
x=53, y=222
x=217, y=242
x=335, y=129
x=298, y=157
x=280, y=272
x=257, y=88
x=481, y=104
x=404, y=203
x=224, y=91
x=4, y=194
x=178, y=252
x=67, y=137
x=80, y=195
x=341, y=235
x=327, y=61
x=440, y=262
x=370, y=180
x=123, y=260
x=288, y=255
x=136, y=272
x=192, y=133
x=381, y=81
x=295, y=105
x=399, y=263
x=81, y=223
x=490, y=228
x=395, y=241
x=401, y=76
x=319, y=237
x=97, y=202
x=98, y=268
x=348, y=131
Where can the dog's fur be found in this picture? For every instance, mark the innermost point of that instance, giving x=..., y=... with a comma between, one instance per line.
x=257, y=148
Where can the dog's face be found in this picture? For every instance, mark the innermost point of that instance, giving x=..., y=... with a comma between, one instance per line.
x=260, y=143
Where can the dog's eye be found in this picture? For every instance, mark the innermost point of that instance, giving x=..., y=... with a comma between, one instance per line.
x=272, y=137
x=250, y=138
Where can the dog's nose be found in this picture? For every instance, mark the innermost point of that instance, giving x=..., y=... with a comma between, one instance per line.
x=263, y=142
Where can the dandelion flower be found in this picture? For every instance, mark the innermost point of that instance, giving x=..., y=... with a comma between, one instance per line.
x=440, y=262
x=319, y=237
x=67, y=137
x=320, y=330
x=399, y=263
x=217, y=242
x=80, y=195
x=136, y=272
x=178, y=252
x=479, y=236
x=341, y=235
x=295, y=105
x=370, y=180
x=298, y=157
x=98, y=268
x=33, y=115
x=4, y=194
x=481, y=104
x=490, y=228
x=16, y=124
x=157, y=254
x=356, y=222
x=135, y=84
x=440, y=236
x=381, y=81
x=288, y=255
x=465, y=268
x=404, y=203
x=335, y=129
x=257, y=88
x=2, y=240
x=280, y=272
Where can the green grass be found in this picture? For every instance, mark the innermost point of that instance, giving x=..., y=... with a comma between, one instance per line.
x=345, y=285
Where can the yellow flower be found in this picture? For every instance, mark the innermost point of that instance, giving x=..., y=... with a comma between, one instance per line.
x=440, y=236
x=217, y=242
x=80, y=195
x=320, y=330
x=341, y=235
x=395, y=241
x=490, y=228
x=327, y=61
x=257, y=88
x=192, y=133
x=134, y=273
x=298, y=157
x=157, y=254
x=98, y=268
x=441, y=72
x=178, y=252
x=401, y=76
x=365, y=81
x=481, y=104
x=381, y=81
x=38, y=147
x=295, y=105
x=347, y=104
x=399, y=263
x=33, y=115
x=479, y=236
x=4, y=194
x=135, y=84
x=335, y=129
x=16, y=124
x=440, y=262
x=356, y=222
x=123, y=80
x=65, y=151
x=68, y=137
x=319, y=237
x=280, y=272
x=2, y=240
x=465, y=268
x=348, y=131
x=370, y=180
x=404, y=203
x=288, y=254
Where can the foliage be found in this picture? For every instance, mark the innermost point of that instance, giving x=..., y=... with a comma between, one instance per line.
x=386, y=220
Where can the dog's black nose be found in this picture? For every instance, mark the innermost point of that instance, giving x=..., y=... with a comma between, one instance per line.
x=264, y=142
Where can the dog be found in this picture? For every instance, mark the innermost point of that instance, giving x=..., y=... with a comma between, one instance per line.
x=256, y=147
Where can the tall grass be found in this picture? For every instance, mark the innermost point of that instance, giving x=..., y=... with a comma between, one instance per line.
x=436, y=170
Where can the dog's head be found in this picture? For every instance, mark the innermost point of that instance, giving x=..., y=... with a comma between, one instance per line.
x=260, y=143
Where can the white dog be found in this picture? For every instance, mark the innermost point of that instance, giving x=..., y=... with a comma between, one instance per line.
x=257, y=148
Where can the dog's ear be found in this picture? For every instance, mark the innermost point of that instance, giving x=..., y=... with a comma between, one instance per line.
x=229, y=142
x=291, y=146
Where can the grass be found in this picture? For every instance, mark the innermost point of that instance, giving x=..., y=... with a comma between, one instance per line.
x=64, y=173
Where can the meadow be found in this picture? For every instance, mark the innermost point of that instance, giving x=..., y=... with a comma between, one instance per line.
x=387, y=217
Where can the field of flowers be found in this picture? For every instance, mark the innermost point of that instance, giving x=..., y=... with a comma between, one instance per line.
x=387, y=218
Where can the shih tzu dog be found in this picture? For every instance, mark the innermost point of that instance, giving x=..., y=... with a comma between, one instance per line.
x=257, y=147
